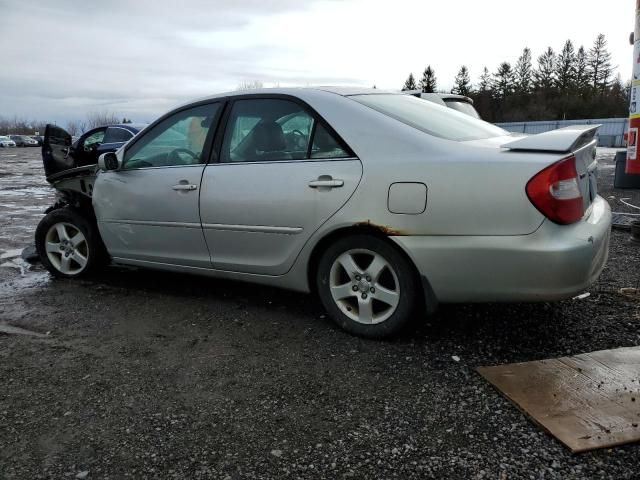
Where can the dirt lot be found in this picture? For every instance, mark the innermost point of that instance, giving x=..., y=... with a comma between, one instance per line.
x=150, y=375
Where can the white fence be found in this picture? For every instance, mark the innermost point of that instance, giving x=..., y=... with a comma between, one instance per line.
x=610, y=134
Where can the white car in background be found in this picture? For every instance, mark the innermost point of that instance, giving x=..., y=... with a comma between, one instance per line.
x=6, y=142
x=460, y=103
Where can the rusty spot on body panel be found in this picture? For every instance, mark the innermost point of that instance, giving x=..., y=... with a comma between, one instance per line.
x=389, y=231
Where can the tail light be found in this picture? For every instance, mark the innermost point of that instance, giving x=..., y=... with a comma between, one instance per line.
x=556, y=193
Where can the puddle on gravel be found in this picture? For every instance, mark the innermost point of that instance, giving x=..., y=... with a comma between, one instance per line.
x=16, y=252
x=26, y=281
x=27, y=277
x=11, y=330
x=24, y=196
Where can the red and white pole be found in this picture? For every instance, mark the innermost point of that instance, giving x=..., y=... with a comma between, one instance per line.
x=633, y=156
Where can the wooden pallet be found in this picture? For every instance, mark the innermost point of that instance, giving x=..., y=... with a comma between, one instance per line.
x=588, y=401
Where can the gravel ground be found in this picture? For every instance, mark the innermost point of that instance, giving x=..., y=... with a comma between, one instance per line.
x=152, y=375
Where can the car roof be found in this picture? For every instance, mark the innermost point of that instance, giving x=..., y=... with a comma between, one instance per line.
x=295, y=91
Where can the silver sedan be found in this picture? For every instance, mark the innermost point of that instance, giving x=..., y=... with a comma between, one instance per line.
x=382, y=204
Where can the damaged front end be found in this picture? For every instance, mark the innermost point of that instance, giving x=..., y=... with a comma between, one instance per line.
x=73, y=182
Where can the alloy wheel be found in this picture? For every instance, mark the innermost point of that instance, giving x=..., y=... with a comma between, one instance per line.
x=364, y=286
x=67, y=248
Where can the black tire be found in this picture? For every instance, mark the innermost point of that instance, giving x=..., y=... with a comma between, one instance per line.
x=408, y=287
x=92, y=248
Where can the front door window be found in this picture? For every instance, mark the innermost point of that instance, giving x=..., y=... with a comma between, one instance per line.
x=93, y=141
x=178, y=140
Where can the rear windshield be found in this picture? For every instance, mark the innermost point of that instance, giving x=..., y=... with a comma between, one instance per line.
x=462, y=106
x=429, y=117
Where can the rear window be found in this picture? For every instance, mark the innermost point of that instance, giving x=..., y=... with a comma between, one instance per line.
x=462, y=106
x=429, y=117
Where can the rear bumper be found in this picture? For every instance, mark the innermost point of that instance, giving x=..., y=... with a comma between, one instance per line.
x=553, y=263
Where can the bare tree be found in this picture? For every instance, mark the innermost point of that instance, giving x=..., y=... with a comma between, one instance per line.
x=38, y=126
x=15, y=125
x=99, y=119
x=245, y=85
x=73, y=128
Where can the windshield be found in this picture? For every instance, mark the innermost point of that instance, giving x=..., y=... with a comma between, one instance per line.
x=433, y=119
x=4, y=139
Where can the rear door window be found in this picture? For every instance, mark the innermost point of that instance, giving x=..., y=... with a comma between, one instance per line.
x=277, y=130
x=266, y=130
x=325, y=145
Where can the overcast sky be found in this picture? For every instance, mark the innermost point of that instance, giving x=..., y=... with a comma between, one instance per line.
x=61, y=59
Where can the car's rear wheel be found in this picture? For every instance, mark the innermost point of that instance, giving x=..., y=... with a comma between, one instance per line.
x=69, y=245
x=367, y=286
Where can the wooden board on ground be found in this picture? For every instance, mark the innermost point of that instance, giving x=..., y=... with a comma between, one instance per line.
x=587, y=402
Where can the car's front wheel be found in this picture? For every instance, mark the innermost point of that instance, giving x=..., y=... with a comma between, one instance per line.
x=367, y=286
x=69, y=245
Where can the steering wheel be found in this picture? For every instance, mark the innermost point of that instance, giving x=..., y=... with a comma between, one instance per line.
x=300, y=138
x=174, y=155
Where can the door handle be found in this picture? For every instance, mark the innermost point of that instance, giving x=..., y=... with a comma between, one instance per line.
x=329, y=183
x=185, y=187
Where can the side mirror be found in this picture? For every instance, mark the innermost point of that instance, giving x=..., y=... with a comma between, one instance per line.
x=108, y=161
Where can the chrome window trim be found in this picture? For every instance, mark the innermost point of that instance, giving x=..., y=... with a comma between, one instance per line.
x=156, y=168
x=292, y=160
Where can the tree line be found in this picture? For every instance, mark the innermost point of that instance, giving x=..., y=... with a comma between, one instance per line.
x=21, y=126
x=569, y=84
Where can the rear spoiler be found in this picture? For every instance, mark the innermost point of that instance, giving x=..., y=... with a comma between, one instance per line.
x=565, y=139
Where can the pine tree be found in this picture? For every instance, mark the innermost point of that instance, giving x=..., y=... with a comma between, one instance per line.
x=482, y=96
x=428, y=81
x=565, y=69
x=523, y=73
x=582, y=79
x=599, y=64
x=485, y=81
x=462, y=82
x=503, y=80
x=544, y=75
x=410, y=83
